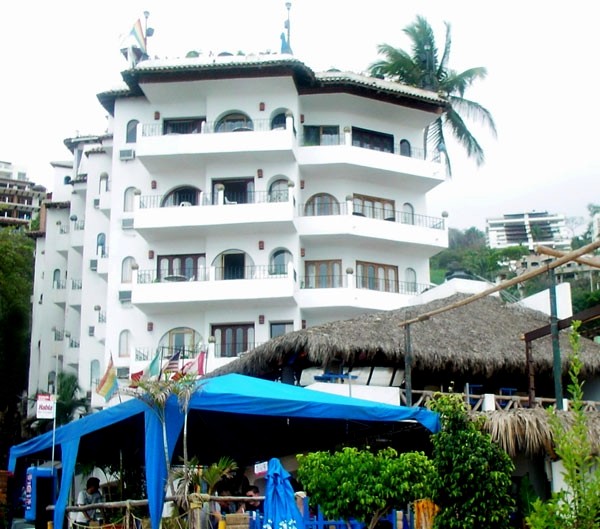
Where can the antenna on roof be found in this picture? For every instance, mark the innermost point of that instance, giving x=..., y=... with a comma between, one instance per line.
x=285, y=43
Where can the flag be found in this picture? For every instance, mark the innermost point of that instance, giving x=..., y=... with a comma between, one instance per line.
x=135, y=379
x=108, y=384
x=138, y=35
x=173, y=363
x=193, y=367
x=153, y=369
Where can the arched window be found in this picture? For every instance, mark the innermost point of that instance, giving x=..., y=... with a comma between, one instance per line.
x=278, y=121
x=182, y=196
x=322, y=204
x=234, y=122
x=279, y=262
x=101, y=245
x=405, y=148
x=233, y=264
x=127, y=270
x=56, y=278
x=124, y=343
x=94, y=373
x=128, y=199
x=131, y=134
x=183, y=340
x=279, y=190
x=410, y=280
x=408, y=213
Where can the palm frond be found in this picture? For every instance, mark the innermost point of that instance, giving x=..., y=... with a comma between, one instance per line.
x=398, y=65
x=474, y=112
x=443, y=66
x=464, y=137
x=456, y=83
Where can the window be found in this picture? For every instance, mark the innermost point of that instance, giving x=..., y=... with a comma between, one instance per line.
x=101, y=245
x=278, y=121
x=127, y=270
x=280, y=328
x=234, y=122
x=322, y=204
x=124, y=344
x=370, y=139
x=128, y=199
x=321, y=135
x=187, y=266
x=230, y=265
x=373, y=207
x=323, y=274
x=233, y=339
x=405, y=149
x=56, y=282
x=237, y=191
x=376, y=276
x=51, y=381
x=183, y=126
x=279, y=190
x=131, y=134
x=408, y=213
x=181, y=196
x=183, y=340
x=94, y=372
x=279, y=262
x=410, y=279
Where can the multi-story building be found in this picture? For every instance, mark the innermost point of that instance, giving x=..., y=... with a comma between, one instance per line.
x=528, y=230
x=19, y=198
x=234, y=199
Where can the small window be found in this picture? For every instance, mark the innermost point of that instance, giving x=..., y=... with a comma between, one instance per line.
x=279, y=262
x=278, y=121
x=124, y=344
x=131, y=135
x=94, y=372
x=321, y=135
x=128, y=199
x=281, y=328
x=405, y=149
x=410, y=279
x=322, y=204
x=279, y=190
x=408, y=213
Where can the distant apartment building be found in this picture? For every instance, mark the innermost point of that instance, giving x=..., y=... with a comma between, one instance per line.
x=528, y=230
x=19, y=198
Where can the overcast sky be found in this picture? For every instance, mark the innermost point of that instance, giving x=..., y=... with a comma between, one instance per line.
x=542, y=61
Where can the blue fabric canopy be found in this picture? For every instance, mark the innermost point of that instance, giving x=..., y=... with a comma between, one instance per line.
x=280, y=509
x=228, y=394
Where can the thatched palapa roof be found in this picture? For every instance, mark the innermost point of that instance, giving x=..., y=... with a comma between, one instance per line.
x=480, y=338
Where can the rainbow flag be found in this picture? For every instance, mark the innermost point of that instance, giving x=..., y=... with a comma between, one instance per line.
x=138, y=34
x=108, y=384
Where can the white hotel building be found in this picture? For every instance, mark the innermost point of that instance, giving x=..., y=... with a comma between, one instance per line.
x=232, y=199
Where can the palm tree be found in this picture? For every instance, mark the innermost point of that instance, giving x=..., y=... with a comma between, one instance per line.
x=68, y=401
x=423, y=68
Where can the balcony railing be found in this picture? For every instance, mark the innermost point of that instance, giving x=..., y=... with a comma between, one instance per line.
x=217, y=273
x=64, y=229
x=324, y=281
x=401, y=217
x=388, y=285
x=76, y=284
x=208, y=199
x=166, y=352
x=79, y=225
x=59, y=284
x=206, y=127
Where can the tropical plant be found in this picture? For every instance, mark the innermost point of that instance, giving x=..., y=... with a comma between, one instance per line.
x=472, y=481
x=424, y=68
x=360, y=484
x=68, y=400
x=578, y=505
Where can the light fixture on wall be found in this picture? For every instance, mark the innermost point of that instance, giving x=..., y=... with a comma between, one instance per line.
x=97, y=308
x=150, y=254
x=302, y=252
x=153, y=184
x=301, y=184
x=156, y=114
x=301, y=118
x=259, y=173
x=261, y=319
x=150, y=326
x=261, y=106
x=304, y=324
x=261, y=245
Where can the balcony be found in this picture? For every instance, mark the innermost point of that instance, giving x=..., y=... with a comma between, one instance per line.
x=77, y=234
x=194, y=143
x=215, y=213
x=75, y=294
x=342, y=221
x=59, y=292
x=354, y=295
x=212, y=287
x=339, y=154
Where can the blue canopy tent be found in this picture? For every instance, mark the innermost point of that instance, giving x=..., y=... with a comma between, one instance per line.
x=229, y=415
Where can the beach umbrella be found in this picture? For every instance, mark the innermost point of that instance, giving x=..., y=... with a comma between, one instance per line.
x=280, y=509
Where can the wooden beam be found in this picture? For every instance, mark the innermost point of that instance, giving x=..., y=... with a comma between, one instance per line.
x=570, y=256
x=590, y=261
x=585, y=315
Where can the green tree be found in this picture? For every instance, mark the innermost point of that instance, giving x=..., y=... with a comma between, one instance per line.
x=360, y=484
x=16, y=280
x=577, y=507
x=473, y=478
x=424, y=68
x=68, y=400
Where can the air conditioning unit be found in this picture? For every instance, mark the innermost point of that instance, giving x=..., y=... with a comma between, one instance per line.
x=127, y=224
x=126, y=154
x=123, y=372
x=93, y=265
x=124, y=296
x=96, y=203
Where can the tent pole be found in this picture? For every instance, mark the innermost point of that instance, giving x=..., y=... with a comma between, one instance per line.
x=408, y=365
